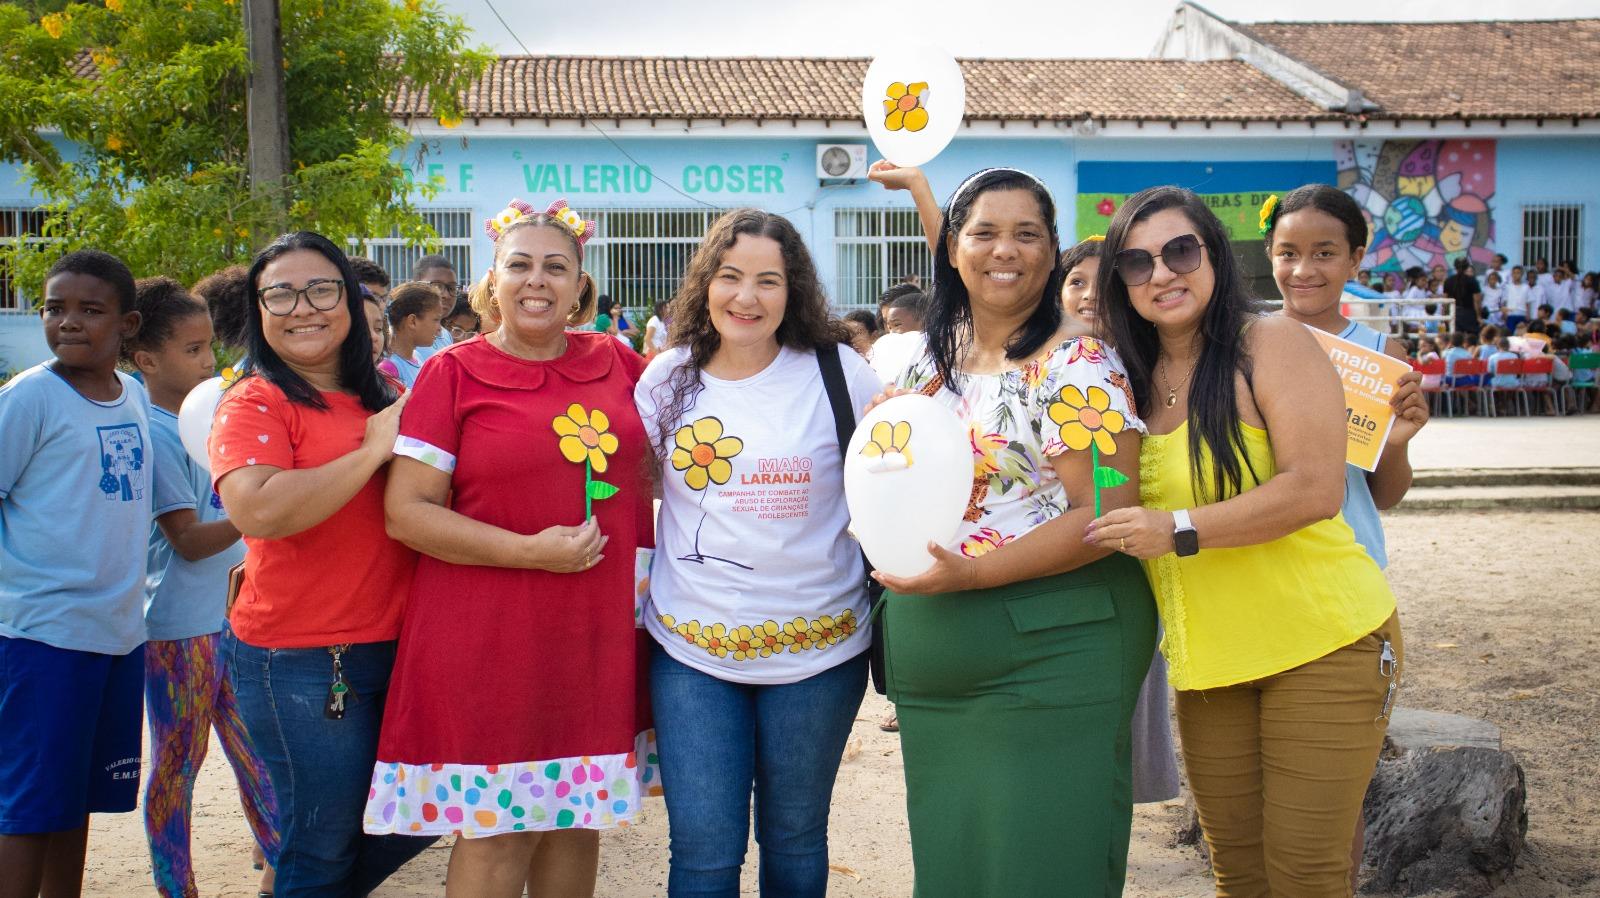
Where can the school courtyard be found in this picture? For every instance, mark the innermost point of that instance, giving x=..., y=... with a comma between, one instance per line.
x=1500, y=624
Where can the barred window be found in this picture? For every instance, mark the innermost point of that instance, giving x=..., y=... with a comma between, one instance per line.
x=397, y=256
x=17, y=223
x=875, y=248
x=638, y=256
x=1553, y=232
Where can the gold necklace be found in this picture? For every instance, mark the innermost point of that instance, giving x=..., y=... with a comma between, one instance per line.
x=1172, y=391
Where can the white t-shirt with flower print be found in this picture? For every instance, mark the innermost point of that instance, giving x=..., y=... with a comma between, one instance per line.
x=1074, y=397
x=754, y=578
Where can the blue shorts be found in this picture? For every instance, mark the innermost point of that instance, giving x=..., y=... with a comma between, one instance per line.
x=71, y=734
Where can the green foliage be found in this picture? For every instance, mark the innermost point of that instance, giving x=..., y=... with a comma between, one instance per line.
x=129, y=119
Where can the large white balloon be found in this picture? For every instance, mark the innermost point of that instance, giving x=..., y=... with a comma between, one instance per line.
x=913, y=100
x=194, y=419
x=907, y=479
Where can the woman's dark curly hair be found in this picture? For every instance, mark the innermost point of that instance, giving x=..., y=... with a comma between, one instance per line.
x=807, y=323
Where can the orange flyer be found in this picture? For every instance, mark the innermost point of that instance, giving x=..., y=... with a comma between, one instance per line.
x=1369, y=379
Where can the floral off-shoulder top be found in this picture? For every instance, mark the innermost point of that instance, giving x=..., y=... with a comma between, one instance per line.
x=1074, y=397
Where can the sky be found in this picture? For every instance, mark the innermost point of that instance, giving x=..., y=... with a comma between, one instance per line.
x=1021, y=28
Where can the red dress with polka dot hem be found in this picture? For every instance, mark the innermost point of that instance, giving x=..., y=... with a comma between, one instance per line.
x=519, y=699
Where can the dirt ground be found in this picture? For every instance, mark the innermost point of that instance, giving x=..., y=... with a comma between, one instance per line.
x=1501, y=617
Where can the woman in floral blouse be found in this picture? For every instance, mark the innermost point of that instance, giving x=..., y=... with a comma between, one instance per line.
x=1015, y=661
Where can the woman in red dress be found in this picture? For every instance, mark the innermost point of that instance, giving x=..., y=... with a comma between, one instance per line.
x=517, y=714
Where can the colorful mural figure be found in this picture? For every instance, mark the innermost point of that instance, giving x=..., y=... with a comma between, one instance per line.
x=1427, y=202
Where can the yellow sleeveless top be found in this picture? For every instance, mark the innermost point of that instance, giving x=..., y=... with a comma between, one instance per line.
x=1234, y=615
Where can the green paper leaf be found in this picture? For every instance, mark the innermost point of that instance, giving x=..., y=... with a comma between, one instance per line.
x=599, y=489
x=1106, y=478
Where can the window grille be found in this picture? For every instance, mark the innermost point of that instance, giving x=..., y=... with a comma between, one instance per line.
x=874, y=248
x=638, y=256
x=17, y=223
x=1553, y=232
x=397, y=256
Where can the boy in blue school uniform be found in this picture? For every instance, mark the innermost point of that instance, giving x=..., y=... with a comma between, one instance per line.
x=75, y=516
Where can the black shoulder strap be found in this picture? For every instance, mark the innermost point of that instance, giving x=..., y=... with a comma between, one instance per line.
x=844, y=417
x=844, y=421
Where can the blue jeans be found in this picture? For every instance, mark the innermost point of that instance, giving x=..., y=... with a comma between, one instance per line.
x=320, y=769
x=718, y=741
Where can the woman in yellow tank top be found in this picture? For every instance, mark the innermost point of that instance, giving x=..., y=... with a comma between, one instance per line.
x=1281, y=633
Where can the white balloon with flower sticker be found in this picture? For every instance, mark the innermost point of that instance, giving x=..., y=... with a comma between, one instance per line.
x=913, y=100
x=907, y=478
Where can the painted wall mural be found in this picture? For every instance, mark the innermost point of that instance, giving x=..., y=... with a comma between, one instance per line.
x=1427, y=202
x=1233, y=190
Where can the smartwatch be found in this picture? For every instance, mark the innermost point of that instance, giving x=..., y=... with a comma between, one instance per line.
x=1185, y=541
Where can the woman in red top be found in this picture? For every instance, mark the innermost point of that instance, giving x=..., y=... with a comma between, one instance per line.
x=298, y=450
x=518, y=718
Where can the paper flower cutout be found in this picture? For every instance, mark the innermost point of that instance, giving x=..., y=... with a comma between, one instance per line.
x=586, y=434
x=230, y=376
x=903, y=110
x=1086, y=420
x=1267, y=208
x=586, y=440
x=888, y=447
x=702, y=453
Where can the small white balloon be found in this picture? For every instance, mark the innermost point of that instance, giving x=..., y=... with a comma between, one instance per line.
x=913, y=100
x=907, y=479
x=194, y=419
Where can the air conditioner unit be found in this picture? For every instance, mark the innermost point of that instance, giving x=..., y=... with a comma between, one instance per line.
x=841, y=160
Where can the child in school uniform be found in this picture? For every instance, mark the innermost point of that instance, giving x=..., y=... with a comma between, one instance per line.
x=414, y=325
x=75, y=484
x=192, y=548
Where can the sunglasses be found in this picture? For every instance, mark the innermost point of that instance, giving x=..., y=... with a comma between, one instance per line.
x=1181, y=255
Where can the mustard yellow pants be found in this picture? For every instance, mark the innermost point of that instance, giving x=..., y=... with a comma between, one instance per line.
x=1279, y=767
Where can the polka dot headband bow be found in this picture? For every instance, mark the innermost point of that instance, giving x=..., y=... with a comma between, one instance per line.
x=516, y=210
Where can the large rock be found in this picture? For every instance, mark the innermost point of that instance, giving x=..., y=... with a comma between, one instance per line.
x=1446, y=808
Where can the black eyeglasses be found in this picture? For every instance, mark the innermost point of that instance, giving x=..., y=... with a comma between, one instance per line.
x=323, y=295
x=1181, y=254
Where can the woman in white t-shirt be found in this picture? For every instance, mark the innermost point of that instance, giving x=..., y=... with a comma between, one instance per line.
x=757, y=598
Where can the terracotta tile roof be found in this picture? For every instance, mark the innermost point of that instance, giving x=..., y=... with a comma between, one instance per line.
x=565, y=87
x=1453, y=69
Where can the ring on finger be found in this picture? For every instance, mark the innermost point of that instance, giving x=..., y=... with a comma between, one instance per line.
x=1122, y=544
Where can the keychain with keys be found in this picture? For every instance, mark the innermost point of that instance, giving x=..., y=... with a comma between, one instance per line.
x=1386, y=669
x=339, y=692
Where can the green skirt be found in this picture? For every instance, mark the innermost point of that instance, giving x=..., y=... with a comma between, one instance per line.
x=1014, y=706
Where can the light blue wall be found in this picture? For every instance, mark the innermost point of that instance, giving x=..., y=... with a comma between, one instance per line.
x=1547, y=170
x=778, y=174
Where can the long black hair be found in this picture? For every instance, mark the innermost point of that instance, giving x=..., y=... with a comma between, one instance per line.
x=1213, y=405
x=357, y=374
x=948, y=321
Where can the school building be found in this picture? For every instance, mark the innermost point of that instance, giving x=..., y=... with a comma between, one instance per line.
x=1458, y=138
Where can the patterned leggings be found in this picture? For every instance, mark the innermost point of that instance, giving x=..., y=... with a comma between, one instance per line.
x=186, y=694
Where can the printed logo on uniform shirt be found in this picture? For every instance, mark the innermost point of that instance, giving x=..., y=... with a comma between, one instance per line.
x=121, y=462
x=125, y=769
